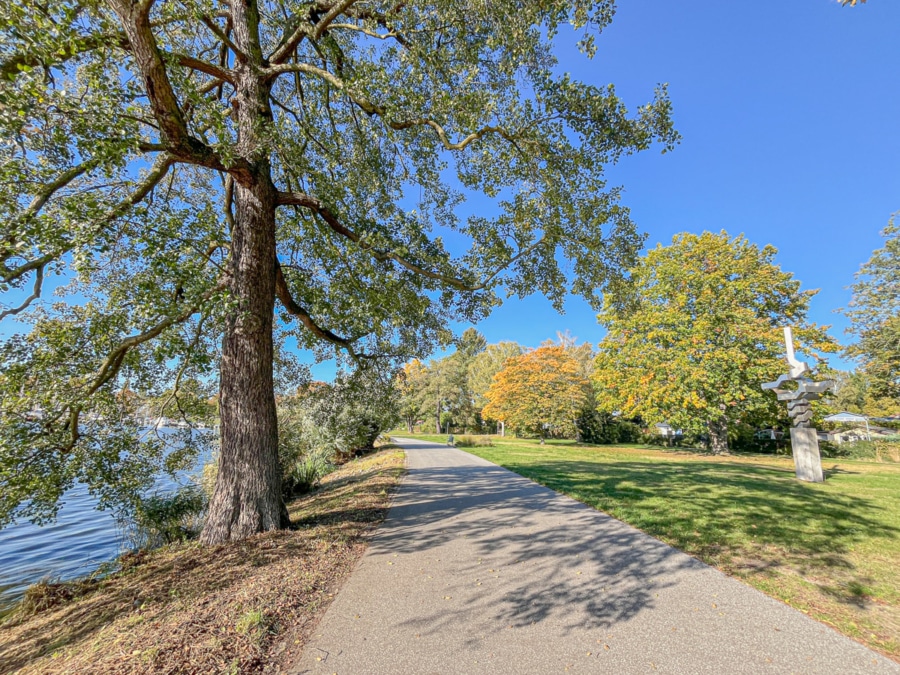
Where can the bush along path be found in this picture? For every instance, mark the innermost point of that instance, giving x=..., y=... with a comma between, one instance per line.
x=479, y=570
x=242, y=608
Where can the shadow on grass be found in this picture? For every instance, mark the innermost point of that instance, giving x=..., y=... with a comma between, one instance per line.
x=744, y=518
x=704, y=505
x=837, y=470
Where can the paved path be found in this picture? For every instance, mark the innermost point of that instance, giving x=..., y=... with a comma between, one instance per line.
x=478, y=570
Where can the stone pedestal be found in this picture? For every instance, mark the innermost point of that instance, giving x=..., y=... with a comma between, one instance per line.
x=805, y=445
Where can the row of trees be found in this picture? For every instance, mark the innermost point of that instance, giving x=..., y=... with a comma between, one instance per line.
x=689, y=341
x=483, y=387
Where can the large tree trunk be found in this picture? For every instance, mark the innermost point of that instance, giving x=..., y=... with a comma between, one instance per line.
x=718, y=435
x=247, y=497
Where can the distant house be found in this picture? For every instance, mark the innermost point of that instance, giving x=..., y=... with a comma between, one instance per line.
x=666, y=430
x=860, y=430
x=769, y=434
x=860, y=434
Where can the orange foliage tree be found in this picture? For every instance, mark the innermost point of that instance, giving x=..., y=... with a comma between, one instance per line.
x=538, y=392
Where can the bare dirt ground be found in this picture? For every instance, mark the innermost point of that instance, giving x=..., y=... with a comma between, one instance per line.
x=246, y=607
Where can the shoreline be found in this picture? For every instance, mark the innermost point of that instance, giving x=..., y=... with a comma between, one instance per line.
x=240, y=607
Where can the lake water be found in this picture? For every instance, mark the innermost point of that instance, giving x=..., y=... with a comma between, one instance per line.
x=76, y=544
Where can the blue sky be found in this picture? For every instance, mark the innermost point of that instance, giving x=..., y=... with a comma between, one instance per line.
x=790, y=117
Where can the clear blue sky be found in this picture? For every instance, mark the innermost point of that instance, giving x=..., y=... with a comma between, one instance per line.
x=790, y=113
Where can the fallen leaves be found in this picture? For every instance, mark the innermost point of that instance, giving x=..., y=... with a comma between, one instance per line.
x=293, y=574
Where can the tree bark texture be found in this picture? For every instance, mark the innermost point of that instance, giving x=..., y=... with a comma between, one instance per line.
x=247, y=497
x=718, y=435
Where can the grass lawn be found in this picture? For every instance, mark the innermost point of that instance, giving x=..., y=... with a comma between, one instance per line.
x=242, y=607
x=831, y=550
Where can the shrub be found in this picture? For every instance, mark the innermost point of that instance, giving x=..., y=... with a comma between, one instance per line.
x=829, y=449
x=206, y=479
x=474, y=442
x=880, y=450
x=606, y=429
x=653, y=438
x=165, y=517
x=887, y=449
x=306, y=472
x=345, y=417
x=761, y=445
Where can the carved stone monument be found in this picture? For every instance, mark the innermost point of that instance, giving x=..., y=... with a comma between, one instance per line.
x=804, y=441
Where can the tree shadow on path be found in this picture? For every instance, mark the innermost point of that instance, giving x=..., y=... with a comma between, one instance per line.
x=543, y=558
x=558, y=561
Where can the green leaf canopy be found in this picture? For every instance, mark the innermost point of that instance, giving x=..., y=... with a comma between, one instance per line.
x=137, y=138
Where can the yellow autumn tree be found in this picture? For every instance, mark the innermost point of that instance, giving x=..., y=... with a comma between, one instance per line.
x=410, y=387
x=540, y=392
x=701, y=331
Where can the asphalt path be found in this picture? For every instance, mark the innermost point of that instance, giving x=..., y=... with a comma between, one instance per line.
x=478, y=570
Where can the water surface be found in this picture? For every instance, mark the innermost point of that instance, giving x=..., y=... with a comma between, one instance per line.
x=77, y=543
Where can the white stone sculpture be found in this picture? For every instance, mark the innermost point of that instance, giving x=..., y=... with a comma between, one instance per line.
x=804, y=441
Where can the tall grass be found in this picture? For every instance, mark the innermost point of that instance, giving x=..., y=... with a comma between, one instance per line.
x=306, y=472
x=165, y=517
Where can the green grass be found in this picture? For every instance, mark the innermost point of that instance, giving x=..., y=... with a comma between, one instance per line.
x=831, y=550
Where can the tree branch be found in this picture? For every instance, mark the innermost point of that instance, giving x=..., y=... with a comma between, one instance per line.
x=315, y=205
x=38, y=282
x=113, y=362
x=13, y=65
x=181, y=370
x=136, y=22
x=157, y=173
x=284, y=295
x=16, y=63
x=48, y=190
x=305, y=28
x=371, y=33
x=280, y=69
x=223, y=74
x=335, y=11
x=371, y=108
x=442, y=135
x=163, y=102
x=238, y=53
